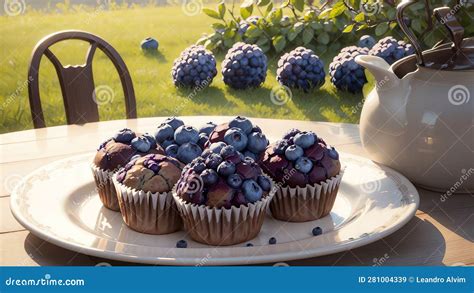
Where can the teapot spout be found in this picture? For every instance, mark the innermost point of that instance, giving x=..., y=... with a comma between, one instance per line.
x=380, y=69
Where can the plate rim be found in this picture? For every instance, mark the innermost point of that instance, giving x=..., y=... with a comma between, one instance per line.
x=407, y=215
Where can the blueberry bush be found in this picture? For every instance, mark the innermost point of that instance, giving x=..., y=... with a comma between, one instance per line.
x=325, y=25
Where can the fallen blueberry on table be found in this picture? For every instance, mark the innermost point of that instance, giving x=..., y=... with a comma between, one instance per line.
x=317, y=231
x=181, y=244
x=249, y=245
x=272, y=240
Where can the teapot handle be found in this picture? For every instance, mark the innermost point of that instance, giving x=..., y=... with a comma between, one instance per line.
x=411, y=36
x=445, y=16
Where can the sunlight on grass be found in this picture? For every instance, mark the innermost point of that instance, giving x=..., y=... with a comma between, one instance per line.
x=155, y=93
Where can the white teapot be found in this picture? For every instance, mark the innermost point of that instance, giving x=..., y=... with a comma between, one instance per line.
x=419, y=119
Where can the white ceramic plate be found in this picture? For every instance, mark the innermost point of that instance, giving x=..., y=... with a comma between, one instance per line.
x=59, y=203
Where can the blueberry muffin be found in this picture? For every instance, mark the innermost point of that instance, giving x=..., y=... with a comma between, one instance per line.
x=222, y=196
x=114, y=153
x=144, y=193
x=242, y=134
x=182, y=141
x=307, y=173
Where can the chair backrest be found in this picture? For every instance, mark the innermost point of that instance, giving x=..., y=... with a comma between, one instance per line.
x=76, y=81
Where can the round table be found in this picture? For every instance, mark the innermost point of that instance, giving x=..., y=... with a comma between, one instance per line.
x=441, y=233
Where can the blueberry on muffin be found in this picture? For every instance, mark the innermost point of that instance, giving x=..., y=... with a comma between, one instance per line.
x=114, y=153
x=182, y=141
x=223, y=178
x=242, y=134
x=308, y=174
x=300, y=158
x=144, y=192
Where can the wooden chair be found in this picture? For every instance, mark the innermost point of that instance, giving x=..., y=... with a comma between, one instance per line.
x=76, y=81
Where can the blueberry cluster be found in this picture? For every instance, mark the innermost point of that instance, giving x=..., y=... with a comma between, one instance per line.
x=366, y=41
x=244, y=66
x=242, y=135
x=195, y=67
x=391, y=50
x=141, y=143
x=345, y=73
x=182, y=141
x=302, y=69
x=300, y=158
x=223, y=177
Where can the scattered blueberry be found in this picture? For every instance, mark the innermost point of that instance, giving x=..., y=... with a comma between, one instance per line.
x=236, y=138
x=188, y=152
x=124, y=136
x=226, y=168
x=149, y=44
x=293, y=152
x=141, y=144
x=305, y=139
x=264, y=183
x=174, y=122
x=252, y=191
x=257, y=142
x=249, y=245
x=209, y=177
x=317, y=231
x=172, y=150
x=272, y=240
x=243, y=123
x=164, y=132
x=207, y=128
x=181, y=244
x=185, y=133
x=234, y=181
x=304, y=165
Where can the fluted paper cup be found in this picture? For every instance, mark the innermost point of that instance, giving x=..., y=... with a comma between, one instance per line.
x=105, y=188
x=302, y=204
x=221, y=226
x=147, y=212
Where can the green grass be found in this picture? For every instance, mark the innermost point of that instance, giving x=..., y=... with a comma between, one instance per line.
x=155, y=93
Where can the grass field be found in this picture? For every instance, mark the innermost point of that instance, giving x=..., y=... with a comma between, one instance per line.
x=155, y=93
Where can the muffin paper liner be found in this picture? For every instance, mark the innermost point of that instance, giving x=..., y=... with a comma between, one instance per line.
x=147, y=212
x=105, y=188
x=302, y=204
x=220, y=226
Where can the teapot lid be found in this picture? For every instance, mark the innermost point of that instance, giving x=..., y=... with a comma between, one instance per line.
x=456, y=55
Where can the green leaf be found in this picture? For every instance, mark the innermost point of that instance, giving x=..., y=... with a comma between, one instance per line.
x=298, y=4
x=308, y=34
x=393, y=25
x=276, y=15
x=263, y=2
x=324, y=13
x=279, y=43
x=416, y=25
x=268, y=10
x=253, y=32
x=362, y=27
x=323, y=38
x=381, y=29
x=221, y=9
x=359, y=17
x=217, y=26
x=337, y=9
x=316, y=25
x=245, y=12
x=348, y=28
x=211, y=13
x=299, y=26
x=247, y=3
